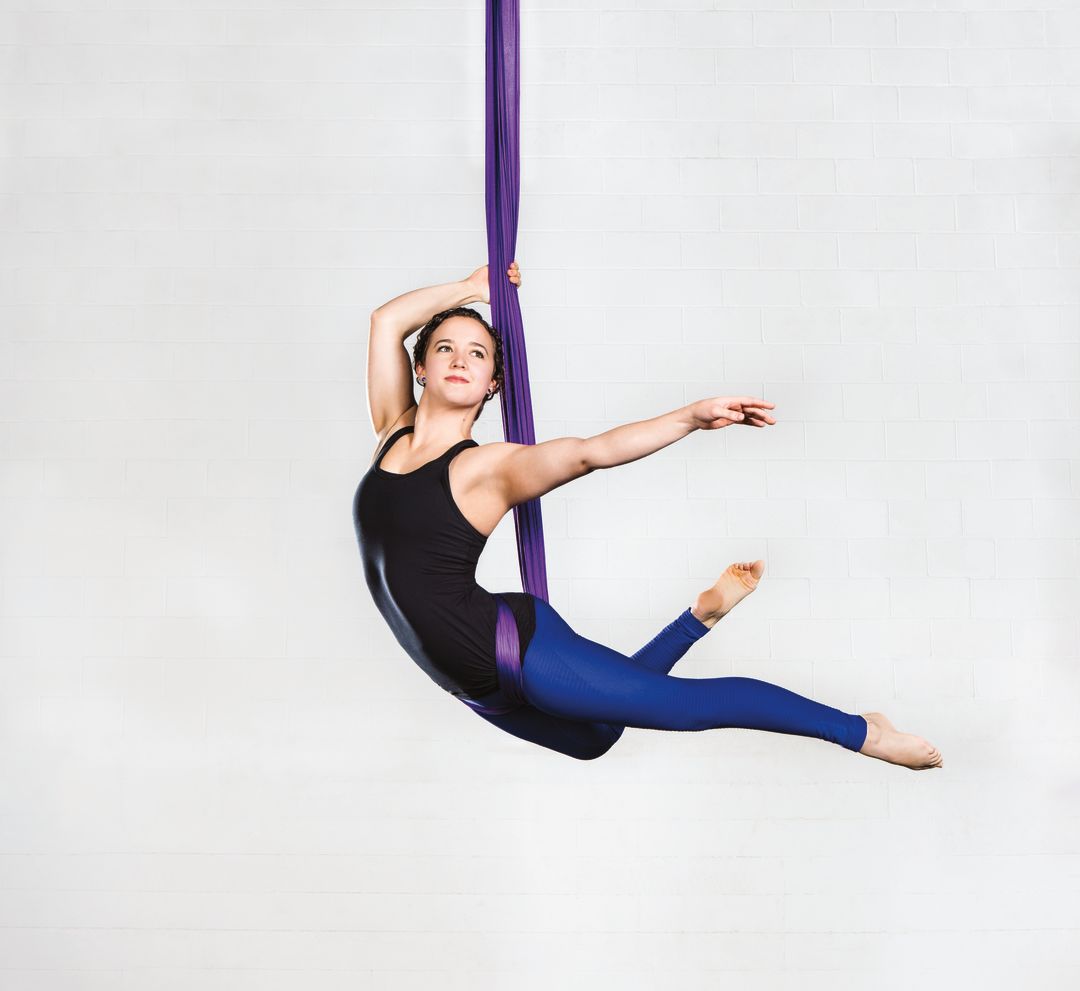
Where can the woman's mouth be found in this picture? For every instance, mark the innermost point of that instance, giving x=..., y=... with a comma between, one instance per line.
x=456, y=378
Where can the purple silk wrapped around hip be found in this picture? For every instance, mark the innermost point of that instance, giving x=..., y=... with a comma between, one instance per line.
x=508, y=663
x=501, y=186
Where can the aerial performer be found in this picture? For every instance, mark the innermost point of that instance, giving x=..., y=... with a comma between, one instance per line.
x=432, y=496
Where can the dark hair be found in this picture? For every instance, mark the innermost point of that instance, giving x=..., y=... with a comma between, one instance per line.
x=420, y=347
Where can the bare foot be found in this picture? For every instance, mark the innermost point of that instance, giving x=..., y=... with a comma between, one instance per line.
x=885, y=742
x=737, y=582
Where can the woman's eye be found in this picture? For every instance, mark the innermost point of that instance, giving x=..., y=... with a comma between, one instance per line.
x=479, y=354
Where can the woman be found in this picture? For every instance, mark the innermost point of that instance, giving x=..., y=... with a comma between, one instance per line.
x=432, y=496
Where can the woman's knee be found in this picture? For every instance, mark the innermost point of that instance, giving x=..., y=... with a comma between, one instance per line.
x=600, y=741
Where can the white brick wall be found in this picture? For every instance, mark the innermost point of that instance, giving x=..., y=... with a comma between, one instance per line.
x=219, y=770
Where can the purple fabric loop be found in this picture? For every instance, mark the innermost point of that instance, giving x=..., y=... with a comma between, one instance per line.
x=501, y=188
x=510, y=695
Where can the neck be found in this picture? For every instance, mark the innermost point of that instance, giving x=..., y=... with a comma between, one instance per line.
x=434, y=427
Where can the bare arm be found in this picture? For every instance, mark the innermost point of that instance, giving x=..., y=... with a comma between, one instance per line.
x=390, y=368
x=411, y=310
x=532, y=470
x=632, y=441
x=389, y=365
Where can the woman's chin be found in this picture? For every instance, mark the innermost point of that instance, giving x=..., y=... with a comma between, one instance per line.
x=455, y=400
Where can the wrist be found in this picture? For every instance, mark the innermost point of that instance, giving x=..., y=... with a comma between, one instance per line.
x=468, y=293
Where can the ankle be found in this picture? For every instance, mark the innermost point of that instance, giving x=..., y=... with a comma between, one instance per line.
x=703, y=616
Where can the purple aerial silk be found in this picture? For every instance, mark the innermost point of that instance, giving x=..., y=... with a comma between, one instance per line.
x=510, y=694
x=501, y=186
x=501, y=189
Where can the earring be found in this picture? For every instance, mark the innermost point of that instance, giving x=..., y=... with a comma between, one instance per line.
x=491, y=392
x=421, y=380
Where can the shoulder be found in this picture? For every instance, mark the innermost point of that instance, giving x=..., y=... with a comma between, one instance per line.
x=501, y=458
x=520, y=472
x=488, y=457
x=487, y=464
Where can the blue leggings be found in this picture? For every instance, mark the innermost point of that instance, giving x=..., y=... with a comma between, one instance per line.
x=582, y=695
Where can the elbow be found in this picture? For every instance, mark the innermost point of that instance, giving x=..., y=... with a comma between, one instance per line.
x=588, y=456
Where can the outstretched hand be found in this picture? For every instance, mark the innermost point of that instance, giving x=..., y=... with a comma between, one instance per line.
x=481, y=287
x=723, y=411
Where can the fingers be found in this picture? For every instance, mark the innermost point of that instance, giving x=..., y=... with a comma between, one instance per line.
x=752, y=408
x=758, y=421
x=751, y=416
x=749, y=401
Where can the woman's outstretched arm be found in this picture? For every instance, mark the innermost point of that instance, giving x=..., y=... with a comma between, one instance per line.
x=528, y=471
x=632, y=441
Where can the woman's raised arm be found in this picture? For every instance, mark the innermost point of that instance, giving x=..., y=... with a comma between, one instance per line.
x=389, y=365
x=411, y=310
x=389, y=369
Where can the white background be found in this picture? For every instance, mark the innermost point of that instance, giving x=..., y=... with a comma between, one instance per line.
x=218, y=770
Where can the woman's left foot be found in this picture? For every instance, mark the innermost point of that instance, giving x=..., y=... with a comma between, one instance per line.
x=731, y=587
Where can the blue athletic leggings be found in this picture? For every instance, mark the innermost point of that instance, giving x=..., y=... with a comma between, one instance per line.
x=582, y=695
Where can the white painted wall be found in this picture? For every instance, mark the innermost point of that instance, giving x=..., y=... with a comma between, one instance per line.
x=217, y=768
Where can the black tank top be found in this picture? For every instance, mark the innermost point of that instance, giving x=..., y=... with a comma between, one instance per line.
x=420, y=555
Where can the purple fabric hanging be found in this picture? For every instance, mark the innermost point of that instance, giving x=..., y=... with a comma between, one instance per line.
x=501, y=189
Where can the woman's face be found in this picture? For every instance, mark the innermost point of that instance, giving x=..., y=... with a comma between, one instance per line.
x=460, y=363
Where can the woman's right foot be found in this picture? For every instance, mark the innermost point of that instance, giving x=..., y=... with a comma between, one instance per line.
x=734, y=585
x=885, y=742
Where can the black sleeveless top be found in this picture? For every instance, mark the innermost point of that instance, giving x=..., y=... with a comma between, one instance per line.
x=420, y=555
